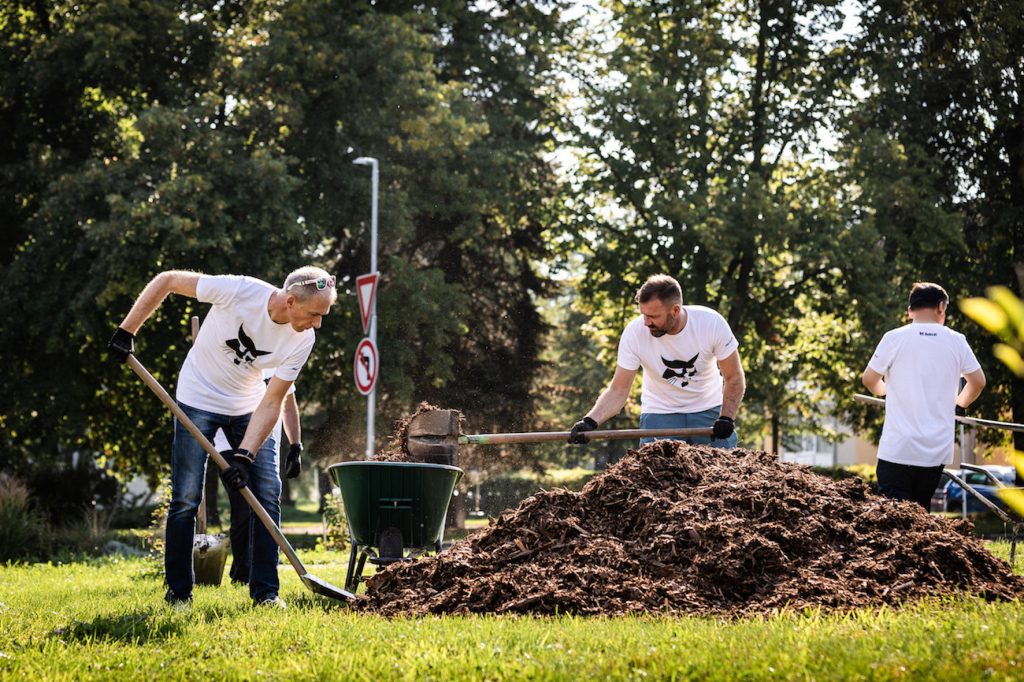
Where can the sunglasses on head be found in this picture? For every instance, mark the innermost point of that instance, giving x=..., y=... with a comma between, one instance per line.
x=320, y=282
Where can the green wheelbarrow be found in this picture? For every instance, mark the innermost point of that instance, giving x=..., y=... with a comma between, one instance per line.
x=393, y=508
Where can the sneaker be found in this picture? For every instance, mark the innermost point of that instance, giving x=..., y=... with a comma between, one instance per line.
x=274, y=602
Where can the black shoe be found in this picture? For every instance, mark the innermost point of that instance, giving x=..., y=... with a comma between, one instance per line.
x=177, y=604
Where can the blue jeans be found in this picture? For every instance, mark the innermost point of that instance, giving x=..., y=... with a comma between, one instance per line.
x=188, y=468
x=679, y=420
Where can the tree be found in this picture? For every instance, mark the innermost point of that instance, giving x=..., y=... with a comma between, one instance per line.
x=945, y=81
x=218, y=137
x=702, y=141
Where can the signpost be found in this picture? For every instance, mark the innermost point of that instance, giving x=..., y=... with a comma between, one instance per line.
x=368, y=346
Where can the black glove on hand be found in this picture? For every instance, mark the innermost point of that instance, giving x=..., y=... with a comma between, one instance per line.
x=235, y=476
x=578, y=435
x=243, y=457
x=960, y=411
x=293, y=465
x=723, y=427
x=121, y=344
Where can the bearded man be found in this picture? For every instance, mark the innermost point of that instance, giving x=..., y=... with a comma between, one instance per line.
x=692, y=375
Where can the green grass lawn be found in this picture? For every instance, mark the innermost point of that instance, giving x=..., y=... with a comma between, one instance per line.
x=104, y=619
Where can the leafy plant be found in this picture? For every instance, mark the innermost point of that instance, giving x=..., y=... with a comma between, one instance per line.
x=23, y=529
x=1002, y=314
x=335, y=535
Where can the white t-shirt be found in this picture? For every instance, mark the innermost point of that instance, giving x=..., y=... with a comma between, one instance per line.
x=922, y=364
x=223, y=372
x=680, y=370
x=220, y=441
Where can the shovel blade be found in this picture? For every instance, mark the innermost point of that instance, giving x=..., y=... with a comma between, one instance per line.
x=325, y=589
x=432, y=449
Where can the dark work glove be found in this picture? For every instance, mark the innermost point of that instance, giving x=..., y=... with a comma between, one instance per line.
x=578, y=435
x=243, y=457
x=121, y=344
x=960, y=411
x=723, y=427
x=293, y=465
x=235, y=477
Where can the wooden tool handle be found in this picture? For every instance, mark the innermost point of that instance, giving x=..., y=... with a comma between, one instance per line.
x=546, y=436
x=222, y=464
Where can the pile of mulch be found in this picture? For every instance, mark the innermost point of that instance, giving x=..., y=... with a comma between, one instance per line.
x=681, y=529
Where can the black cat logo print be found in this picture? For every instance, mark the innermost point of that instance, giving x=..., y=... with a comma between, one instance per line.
x=245, y=348
x=679, y=369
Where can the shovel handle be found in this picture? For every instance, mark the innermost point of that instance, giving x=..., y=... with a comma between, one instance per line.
x=969, y=421
x=222, y=464
x=610, y=434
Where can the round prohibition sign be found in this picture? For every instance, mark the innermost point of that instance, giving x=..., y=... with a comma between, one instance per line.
x=364, y=366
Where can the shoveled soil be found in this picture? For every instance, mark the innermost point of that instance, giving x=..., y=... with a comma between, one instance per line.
x=682, y=529
x=398, y=447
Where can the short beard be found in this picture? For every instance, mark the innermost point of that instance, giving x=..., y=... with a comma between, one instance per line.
x=658, y=332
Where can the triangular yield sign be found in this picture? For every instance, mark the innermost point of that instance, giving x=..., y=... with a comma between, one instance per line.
x=366, y=287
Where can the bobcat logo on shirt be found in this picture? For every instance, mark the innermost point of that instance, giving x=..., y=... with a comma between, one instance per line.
x=685, y=369
x=245, y=348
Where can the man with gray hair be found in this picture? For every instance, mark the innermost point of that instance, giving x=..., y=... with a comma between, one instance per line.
x=251, y=326
x=692, y=373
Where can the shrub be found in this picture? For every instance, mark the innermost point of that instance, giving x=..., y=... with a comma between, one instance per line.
x=23, y=529
x=335, y=525
x=66, y=494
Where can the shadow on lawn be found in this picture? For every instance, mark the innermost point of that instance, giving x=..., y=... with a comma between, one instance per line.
x=314, y=602
x=133, y=627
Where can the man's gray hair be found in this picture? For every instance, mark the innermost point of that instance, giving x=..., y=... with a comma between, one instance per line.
x=305, y=283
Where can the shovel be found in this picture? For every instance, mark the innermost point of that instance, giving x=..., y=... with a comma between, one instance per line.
x=209, y=552
x=435, y=435
x=316, y=585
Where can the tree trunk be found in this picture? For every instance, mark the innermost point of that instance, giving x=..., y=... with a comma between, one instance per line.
x=775, y=434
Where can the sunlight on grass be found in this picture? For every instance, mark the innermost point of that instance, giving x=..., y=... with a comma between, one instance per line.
x=102, y=618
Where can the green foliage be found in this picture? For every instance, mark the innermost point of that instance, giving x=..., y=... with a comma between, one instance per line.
x=1002, y=314
x=943, y=89
x=701, y=146
x=335, y=537
x=23, y=530
x=219, y=138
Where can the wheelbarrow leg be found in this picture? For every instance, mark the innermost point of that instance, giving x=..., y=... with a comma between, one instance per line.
x=358, y=575
x=349, y=584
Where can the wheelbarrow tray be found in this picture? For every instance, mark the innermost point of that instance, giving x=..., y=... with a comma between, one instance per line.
x=410, y=496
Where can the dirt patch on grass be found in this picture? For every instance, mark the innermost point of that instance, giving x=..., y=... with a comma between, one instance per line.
x=686, y=529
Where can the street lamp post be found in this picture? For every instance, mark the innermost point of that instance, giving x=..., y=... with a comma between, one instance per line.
x=371, y=399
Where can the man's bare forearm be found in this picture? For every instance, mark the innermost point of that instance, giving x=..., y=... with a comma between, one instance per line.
x=608, y=404
x=260, y=425
x=732, y=395
x=178, y=281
